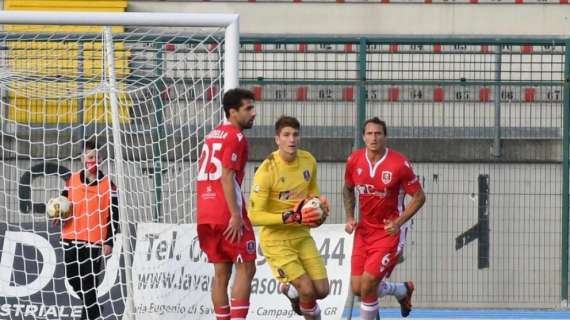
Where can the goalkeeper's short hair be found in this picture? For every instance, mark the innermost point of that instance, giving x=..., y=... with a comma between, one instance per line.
x=286, y=121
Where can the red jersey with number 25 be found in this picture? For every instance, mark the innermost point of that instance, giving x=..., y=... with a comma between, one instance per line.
x=381, y=186
x=227, y=147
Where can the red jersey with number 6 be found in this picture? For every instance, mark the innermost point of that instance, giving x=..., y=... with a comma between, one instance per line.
x=227, y=147
x=381, y=186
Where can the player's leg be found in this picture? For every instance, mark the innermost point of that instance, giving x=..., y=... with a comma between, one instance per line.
x=292, y=294
x=357, y=261
x=90, y=267
x=71, y=253
x=285, y=265
x=369, y=296
x=244, y=257
x=322, y=288
x=314, y=266
x=211, y=242
x=222, y=274
x=307, y=297
x=402, y=291
x=379, y=263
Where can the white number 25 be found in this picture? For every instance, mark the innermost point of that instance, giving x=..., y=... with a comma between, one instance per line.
x=207, y=158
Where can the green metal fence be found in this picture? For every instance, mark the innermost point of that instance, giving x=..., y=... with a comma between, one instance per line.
x=485, y=122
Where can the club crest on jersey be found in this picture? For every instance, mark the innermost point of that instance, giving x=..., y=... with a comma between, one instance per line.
x=386, y=177
x=281, y=273
x=234, y=157
x=359, y=171
x=307, y=175
x=250, y=247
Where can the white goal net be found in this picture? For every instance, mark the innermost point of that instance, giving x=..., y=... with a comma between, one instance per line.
x=145, y=88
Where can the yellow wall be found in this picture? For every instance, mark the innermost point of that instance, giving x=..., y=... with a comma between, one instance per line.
x=63, y=5
x=60, y=59
x=66, y=5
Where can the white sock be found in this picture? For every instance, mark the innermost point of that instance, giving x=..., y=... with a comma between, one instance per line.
x=397, y=289
x=315, y=313
x=368, y=311
x=291, y=291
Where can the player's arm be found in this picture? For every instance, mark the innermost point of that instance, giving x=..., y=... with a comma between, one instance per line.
x=232, y=152
x=113, y=226
x=227, y=179
x=411, y=185
x=349, y=199
x=415, y=204
x=65, y=193
x=314, y=190
x=258, y=211
x=235, y=225
x=260, y=214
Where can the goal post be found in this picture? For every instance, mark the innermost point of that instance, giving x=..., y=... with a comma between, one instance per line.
x=147, y=88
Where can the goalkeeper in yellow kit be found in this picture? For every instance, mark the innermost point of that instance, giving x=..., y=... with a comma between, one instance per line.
x=281, y=184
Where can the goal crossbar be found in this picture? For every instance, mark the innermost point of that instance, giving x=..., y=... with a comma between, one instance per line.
x=229, y=21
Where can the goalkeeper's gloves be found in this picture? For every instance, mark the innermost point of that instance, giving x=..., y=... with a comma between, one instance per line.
x=310, y=217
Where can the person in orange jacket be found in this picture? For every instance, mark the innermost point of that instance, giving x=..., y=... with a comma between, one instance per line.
x=87, y=233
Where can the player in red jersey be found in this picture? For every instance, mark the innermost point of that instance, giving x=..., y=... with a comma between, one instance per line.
x=382, y=177
x=224, y=230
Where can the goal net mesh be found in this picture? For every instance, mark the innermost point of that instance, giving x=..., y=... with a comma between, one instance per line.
x=57, y=86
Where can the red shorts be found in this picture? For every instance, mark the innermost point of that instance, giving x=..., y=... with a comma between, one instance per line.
x=374, y=252
x=220, y=250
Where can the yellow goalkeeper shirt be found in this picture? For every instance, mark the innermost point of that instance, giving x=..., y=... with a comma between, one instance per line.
x=277, y=186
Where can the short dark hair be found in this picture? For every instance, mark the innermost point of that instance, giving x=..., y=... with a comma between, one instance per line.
x=233, y=99
x=286, y=121
x=377, y=121
x=90, y=144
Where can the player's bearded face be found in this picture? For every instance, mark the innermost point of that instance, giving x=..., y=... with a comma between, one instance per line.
x=246, y=114
x=288, y=140
x=374, y=137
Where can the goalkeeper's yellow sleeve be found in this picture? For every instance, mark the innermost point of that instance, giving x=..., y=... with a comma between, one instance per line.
x=259, y=216
x=314, y=186
x=260, y=212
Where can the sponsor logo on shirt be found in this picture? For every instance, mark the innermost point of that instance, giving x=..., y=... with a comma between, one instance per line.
x=370, y=190
x=209, y=194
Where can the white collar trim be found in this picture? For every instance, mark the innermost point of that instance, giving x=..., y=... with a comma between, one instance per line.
x=372, y=169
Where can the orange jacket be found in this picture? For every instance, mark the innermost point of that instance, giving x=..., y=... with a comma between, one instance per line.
x=90, y=219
